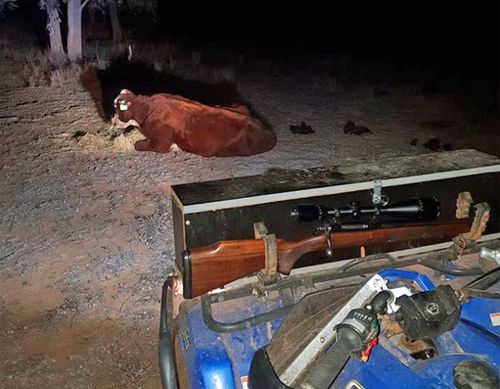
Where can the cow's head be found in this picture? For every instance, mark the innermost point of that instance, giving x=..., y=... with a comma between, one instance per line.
x=124, y=110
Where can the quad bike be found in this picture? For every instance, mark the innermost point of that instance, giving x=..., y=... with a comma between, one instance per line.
x=427, y=327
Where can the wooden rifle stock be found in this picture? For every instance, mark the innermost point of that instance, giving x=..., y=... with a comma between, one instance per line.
x=211, y=267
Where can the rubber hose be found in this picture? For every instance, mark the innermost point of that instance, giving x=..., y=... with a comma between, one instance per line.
x=471, y=271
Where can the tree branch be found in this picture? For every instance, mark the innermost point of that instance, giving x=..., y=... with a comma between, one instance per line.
x=83, y=5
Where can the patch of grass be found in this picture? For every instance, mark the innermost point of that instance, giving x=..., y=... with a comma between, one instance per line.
x=165, y=57
x=65, y=77
x=36, y=68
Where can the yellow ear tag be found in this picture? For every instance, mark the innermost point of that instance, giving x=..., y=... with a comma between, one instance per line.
x=123, y=105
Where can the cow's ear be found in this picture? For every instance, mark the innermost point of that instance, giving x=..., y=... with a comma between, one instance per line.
x=126, y=92
x=123, y=105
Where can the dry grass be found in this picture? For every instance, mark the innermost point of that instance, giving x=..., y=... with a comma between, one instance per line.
x=38, y=67
x=35, y=64
x=165, y=57
x=65, y=77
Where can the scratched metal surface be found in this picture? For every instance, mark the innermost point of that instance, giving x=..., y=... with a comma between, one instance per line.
x=284, y=180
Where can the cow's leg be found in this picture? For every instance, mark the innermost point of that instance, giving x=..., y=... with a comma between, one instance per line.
x=153, y=145
x=162, y=143
x=161, y=137
x=143, y=145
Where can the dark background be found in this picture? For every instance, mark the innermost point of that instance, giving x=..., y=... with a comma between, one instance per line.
x=410, y=31
x=447, y=46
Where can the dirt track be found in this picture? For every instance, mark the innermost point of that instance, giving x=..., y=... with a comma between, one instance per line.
x=85, y=221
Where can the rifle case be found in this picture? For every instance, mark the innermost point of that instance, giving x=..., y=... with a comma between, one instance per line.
x=207, y=212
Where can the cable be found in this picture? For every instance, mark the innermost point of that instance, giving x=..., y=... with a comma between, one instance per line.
x=459, y=272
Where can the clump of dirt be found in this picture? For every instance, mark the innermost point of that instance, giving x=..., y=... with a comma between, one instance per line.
x=301, y=129
x=351, y=128
x=78, y=134
x=434, y=144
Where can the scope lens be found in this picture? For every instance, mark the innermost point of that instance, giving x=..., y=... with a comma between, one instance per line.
x=306, y=213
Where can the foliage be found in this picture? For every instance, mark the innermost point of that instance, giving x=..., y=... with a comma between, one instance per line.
x=49, y=4
x=134, y=6
x=7, y=5
x=53, y=9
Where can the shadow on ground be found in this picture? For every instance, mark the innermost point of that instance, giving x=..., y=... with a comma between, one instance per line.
x=142, y=78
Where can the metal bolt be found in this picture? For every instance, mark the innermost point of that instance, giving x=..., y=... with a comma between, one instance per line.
x=433, y=308
x=188, y=223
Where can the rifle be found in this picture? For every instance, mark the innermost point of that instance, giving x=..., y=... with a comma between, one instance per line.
x=213, y=266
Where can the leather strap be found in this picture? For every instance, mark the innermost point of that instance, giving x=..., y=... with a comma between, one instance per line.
x=270, y=246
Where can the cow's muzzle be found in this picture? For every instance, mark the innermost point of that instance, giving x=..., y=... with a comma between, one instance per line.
x=117, y=123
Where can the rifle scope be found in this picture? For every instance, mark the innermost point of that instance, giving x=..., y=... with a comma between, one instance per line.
x=413, y=209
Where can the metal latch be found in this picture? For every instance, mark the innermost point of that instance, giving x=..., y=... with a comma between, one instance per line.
x=377, y=197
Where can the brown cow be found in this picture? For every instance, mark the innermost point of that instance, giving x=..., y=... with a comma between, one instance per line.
x=168, y=121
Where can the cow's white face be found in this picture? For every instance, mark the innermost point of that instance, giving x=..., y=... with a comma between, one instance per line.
x=117, y=123
x=122, y=104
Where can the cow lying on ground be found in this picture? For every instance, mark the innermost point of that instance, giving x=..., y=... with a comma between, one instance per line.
x=168, y=121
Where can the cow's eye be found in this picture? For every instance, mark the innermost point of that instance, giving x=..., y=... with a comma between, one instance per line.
x=123, y=105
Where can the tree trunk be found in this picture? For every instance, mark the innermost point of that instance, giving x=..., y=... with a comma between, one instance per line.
x=57, y=54
x=74, y=30
x=92, y=12
x=115, y=22
x=92, y=25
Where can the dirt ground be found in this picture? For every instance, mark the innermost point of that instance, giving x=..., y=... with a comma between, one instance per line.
x=85, y=221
